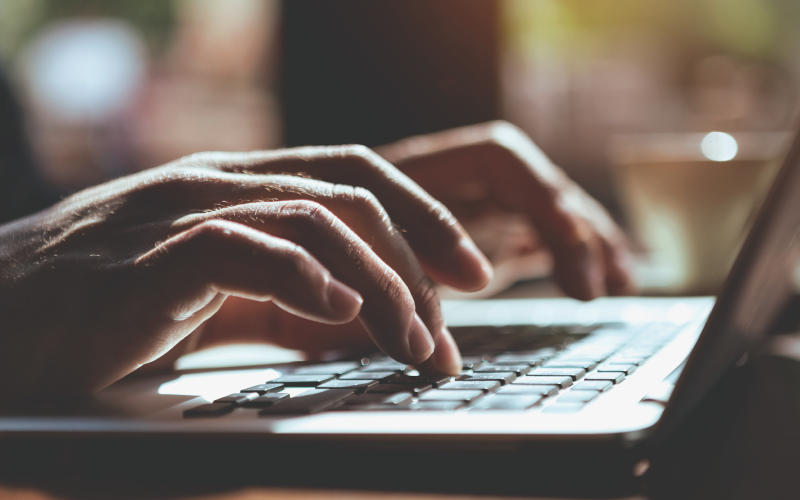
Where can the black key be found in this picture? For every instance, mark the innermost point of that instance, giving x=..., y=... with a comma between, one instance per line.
x=517, y=402
x=415, y=389
x=575, y=396
x=266, y=400
x=328, y=369
x=302, y=380
x=356, y=385
x=562, y=381
x=400, y=398
x=542, y=390
x=264, y=388
x=575, y=373
x=481, y=385
x=312, y=401
x=519, y=369
x=556, y=363
x=593, y=385
x=210, y=410
x=415, y=379
x=237, y=398
x=627, y=369
x=615, y=377
x=440, y=395
x=502, y=377
x=563, y=407
x=359, y=375
x=434, y=406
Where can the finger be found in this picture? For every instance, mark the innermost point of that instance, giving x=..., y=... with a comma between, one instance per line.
x=362, y=213
x=388, y=312
x=444, y=249
x=219, y=257
x=523, y=180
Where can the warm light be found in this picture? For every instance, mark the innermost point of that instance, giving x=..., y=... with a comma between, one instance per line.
x=719, y=146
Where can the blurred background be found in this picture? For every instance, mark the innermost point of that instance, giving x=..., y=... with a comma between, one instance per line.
x=115, y=86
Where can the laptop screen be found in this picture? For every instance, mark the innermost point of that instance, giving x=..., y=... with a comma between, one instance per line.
x=758, y=287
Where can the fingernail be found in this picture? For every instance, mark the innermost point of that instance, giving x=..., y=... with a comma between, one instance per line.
x=446, y=356
x=471, y=260
x=420, y=342
x=342, y=299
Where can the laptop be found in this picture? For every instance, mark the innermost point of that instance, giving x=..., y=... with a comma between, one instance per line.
x=551, y=390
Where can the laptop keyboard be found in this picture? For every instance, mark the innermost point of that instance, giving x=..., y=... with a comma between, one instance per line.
x=556, y=369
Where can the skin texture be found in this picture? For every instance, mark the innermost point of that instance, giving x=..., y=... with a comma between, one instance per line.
x=313, y=248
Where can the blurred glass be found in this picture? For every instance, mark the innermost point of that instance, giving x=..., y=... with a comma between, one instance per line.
x=691, y=199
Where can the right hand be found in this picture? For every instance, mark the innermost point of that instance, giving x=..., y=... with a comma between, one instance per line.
x=115, y=276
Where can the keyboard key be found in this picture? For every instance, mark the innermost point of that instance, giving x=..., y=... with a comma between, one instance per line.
x=556, y=363
x=375, y=398
x=415, y=389
x=628, y=360
x=264, y=388
x=434, y=406
x=237, y=397
x=481, y=385
x=516, y=402
x=593, y=385
x=302, y=380
x=541, y=390
x=518, y=368
x=563, y=407
x=471, y=363
x=615, y=377
x=575, y=396
x=530, y=359
x=434, y=380
x=561, y=381
x=575, y=373
x=442, y=395
x=265, y=400
x=356, y=385
x=312, y=401
x=394, y=367
x=627, y=369
x=374, y=407
x=502, y=377
x=328, y=369
x=210, y=410
x=359, y=375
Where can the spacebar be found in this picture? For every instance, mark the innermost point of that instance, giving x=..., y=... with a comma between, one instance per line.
x=312, y=401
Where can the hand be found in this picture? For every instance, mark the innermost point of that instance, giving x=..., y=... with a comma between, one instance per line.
x=115, y=276
x=510, y=197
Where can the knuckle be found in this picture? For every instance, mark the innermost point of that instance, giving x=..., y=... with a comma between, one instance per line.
x=504, y=133
x=295, y=260
x=425, y=293
x=308, y=216
x=357, y=151
x=362, y=157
